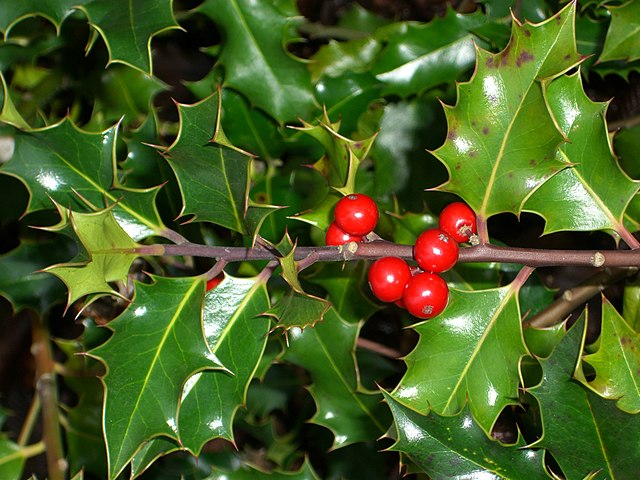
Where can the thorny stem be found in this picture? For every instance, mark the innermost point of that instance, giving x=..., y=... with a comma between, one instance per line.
x=531, y=257
x=46, y=387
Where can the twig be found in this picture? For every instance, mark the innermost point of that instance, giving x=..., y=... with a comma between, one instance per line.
x=533, y=257
x=29, y=422
x=47, y=389
x=571, y=299
x=378, y=348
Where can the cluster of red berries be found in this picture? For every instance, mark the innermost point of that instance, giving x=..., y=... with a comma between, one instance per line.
x=420, y=290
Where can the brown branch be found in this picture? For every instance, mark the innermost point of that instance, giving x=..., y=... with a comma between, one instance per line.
x=47, y=389
x=531, y=257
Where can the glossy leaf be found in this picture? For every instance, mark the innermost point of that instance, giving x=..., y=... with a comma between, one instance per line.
x=255, y=60
x=157, y=344
x=542, y=341
x=617, y=361
x=593, y=193
x=483, y=328
x=11, y=459
x=631, y=305
x=338, y=58
x=73, y=167
x=326, y=351
x=623, y=38
x=127, y=28
x=213, y=179
x=502, y=138
x=456, y=447
x=594, y=447
x=151, y=452
x=109, y=249
x=237, y=334
x=298, y=310
x=421, y=56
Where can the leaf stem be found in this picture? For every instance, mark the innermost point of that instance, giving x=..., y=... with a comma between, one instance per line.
x=532, y=257
x=47, y=390
x=29, y=422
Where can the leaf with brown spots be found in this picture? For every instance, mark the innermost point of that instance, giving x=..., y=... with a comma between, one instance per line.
x=502, y=115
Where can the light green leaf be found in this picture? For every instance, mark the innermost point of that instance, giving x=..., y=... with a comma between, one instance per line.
x=420, y=56
x=157, y=344
x=593, y=193
x=623, y=37
x=455, y=447
x=255, y=60
x=338, y=58
x=631, y=305
x=483, y=329
x=11, y=459
x=594, y=446
x=237, y=334
x=617, y=361
x=109, y=249
x=502, y=138
x=326, y=351
x=127, y=27
x=74, y=167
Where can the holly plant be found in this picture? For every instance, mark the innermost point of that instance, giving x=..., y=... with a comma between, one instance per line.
x=319, y=240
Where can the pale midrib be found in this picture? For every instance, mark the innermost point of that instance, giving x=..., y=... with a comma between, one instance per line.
x=109, y=195
x=601, y=440
x=630, y=368
x=494, y=170
x=615, y=223
x=232, y=200
x=254, y=41
x=132, y=24
x=477, y=349
x=174, y=319
x=633, y=32
x=346, y=384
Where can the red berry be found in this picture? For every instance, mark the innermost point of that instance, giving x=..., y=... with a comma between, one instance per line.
x=435, y=251
x=388, y=277
x=336, y=236
x=356, y=214
x=214, y=282
x=459, y=221
x=426, y=295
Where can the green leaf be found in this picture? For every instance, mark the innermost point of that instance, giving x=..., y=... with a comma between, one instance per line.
x=595, y=445
x=483, y=328
x=296, y=309
x=617, y=361
x=255, y=60
x=502, y=138
x=623, y=37
x=23, y=284
x=631, y=305
x=74, y=167
x=593, y=193
x=127, y=28
x=237, y=334
x=542, y=341
x=8, y=113
x=214, y=180
x=157, y=344
x=247, y=472
x=420, y=56
x=53, y=10
x=339, y=58
x=327, y=352
x=151, y=452
x=455, y=447
x=109, y=249
x=11, y=459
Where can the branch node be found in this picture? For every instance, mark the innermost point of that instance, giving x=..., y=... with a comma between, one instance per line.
x=597, y=260
x=348, y=250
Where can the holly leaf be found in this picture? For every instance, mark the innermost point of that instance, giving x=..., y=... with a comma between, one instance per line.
x=327, y=352
x=631, y=305
x=456, y=447
x=617, y=361
x=623, y=37
x=339, y=58
x=502, y=137
x=600, y=190
x=21, y=281
x=127, y=28
x=237, y=334
x=110, y=253
x=595, y=447
x=420, y=56
x=247, y=472
x=157, y=344
x=214, y=179
x=76, y=168
x=483, y=328
x=150, y=452
x=255, y=60
x=298, y=310
x=54, y=11
x=12, y=459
